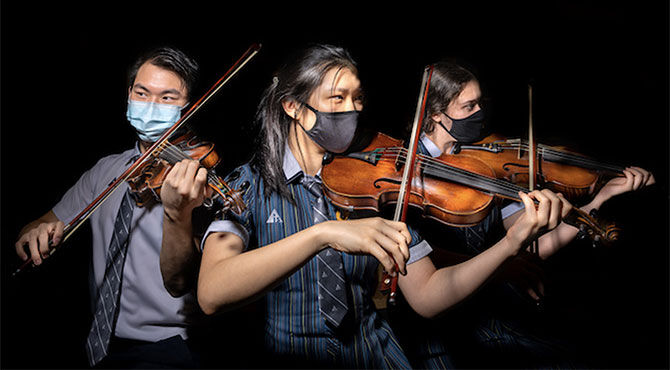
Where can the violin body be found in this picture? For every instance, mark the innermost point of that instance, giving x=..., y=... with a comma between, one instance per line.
x=577, y=177
x=146, y=181
x=378, y=173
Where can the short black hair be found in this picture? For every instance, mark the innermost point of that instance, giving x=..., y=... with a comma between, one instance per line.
x=171, y=59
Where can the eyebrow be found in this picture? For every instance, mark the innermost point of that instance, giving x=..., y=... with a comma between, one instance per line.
x=470, y=101
x=168, y=91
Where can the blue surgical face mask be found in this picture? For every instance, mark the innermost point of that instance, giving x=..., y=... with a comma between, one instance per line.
x=151, y=120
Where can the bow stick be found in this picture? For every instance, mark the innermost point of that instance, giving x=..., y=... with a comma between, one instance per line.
x=408, y=174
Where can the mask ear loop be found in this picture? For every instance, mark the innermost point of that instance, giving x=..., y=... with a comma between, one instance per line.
x=295, y=130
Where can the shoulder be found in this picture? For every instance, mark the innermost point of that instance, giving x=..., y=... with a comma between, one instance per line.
x=118, y=160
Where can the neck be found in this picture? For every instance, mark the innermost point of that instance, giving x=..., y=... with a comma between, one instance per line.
x=308, y=154
x=442, y=139
x=144, y=146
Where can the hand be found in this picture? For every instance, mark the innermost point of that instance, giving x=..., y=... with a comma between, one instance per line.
x=634, y=178
x=534, y=222
x=525, y=273
x=384, y=239
x=184, y=188
x=37, y=239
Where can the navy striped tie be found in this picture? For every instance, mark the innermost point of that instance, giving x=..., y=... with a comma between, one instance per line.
x=106, y=312
x=332, y=286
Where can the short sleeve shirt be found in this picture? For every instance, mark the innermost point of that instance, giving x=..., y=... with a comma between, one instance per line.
x=146, y=311
x=294, y=326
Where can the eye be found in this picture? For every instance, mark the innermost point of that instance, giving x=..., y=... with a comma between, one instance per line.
x=337, y=97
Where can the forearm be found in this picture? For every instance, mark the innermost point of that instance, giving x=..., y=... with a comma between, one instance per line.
x=179, y=257
x=553, y=241
x=431, y=291
x=229, y=278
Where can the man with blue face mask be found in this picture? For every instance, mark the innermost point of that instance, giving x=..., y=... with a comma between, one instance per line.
x=136, y=321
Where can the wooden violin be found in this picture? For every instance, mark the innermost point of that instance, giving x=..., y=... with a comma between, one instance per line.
x=457, y=190
x=574, y=175
x=146, y=181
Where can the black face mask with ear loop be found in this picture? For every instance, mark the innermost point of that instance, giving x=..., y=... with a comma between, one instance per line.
x=333, y=131
x=468, y=129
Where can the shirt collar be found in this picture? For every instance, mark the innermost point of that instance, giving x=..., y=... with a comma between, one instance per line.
x=292, y=170
x=432, y=149
x=291, y=166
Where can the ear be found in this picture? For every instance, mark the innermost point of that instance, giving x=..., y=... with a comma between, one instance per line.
x=437, y=117
x=291, y=108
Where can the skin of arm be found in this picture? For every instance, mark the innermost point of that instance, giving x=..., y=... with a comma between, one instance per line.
x=430, y=291
x=634, y=179
x=230, y=277
x=182, y=191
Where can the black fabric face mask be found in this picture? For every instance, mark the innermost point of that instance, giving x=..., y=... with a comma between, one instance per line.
x=468, y=129
x=333, y=131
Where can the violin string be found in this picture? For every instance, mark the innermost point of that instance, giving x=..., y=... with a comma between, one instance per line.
x=575, y=158
x=173, y=155
x=468, y=178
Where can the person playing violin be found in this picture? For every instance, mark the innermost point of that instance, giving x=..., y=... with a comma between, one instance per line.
x=314, y=271
x=143, y=325
x=454, y=115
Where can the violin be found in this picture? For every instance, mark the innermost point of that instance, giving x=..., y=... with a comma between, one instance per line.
x=574, y=175
x=457, y=190
x=146, y=181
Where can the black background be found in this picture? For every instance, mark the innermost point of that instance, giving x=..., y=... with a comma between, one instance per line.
x=600, y=77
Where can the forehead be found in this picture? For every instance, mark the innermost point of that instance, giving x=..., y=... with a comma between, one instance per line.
x=338, y=78
x=471, y=91
x=154, y=77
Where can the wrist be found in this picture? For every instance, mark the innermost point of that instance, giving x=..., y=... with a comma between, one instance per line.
x=596, y=203
x=510, y=245
x=320, y=235
x=177, y=216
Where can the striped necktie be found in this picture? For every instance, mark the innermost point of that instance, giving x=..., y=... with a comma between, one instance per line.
x=332, y=287
x=104, y=318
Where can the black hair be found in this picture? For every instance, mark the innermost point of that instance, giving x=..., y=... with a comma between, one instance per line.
x=294, y=80
x=171, y=59
x=447, y=82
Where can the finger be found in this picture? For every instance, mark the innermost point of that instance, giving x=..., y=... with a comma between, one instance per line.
x=398, y=232
x=34, y=252
x=174, y=176
x=402, y=228
x=638, y=177
x=629, y=179
x=542, y=215
x=20, y=250
x=188, y=176
x=555, y=210
x=528, y=203
x=391, y=247
x=566, y=206
x=651, y=180
x=383, y=257
x=199, y=184
x=43, y=240
x=58, y=233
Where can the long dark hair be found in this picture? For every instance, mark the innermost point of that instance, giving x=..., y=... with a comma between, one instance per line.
x=448, y=80
x=295, y=80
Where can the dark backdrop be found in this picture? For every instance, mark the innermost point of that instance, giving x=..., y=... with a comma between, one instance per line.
x=600, y=77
